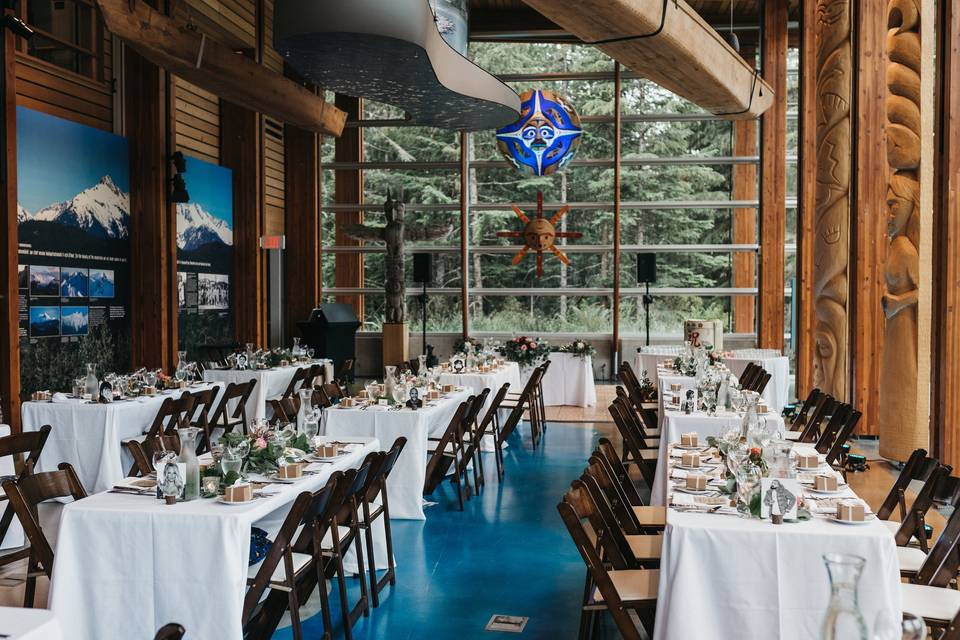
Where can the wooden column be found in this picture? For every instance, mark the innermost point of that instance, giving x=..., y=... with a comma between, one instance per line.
x=153, y=309
x=302, y=225
x=831, y=242
x=773, y=175
x=806, y=193
x=241, y=140
x=744, y=187
x=348, y=267
x=465, y=195
x=617, y=173
x=9, y=294
x=868, y=247
x=946, y=405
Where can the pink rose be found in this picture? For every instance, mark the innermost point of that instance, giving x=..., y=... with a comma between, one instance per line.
x=523, y=347
x=260, y=443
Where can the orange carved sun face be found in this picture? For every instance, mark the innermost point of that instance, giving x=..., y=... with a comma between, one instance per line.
x=540, y=234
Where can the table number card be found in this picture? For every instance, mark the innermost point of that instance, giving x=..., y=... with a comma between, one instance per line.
x=778, y=496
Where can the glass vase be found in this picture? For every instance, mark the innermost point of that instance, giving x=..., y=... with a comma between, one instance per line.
x=306, y=407
x=751, y=420
x=91, y=384
x=843, y=620
x=188, y=457
x=748, y=489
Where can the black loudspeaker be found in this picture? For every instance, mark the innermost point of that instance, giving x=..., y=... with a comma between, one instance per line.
x=647, y=268
x=423, y=268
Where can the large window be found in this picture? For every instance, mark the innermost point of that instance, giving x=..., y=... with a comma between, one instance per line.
x=676, y=192
x=67, y=34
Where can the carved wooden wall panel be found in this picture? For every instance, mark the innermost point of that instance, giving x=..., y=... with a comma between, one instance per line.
x=831, y=242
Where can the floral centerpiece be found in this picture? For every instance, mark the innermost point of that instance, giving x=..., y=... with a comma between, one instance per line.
x=468, y=345
x=276, y=357
x=266, y=448
x=525, y=351
x=579, y=348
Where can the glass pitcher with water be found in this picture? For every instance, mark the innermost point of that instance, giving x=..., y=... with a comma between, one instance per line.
x=91, y=384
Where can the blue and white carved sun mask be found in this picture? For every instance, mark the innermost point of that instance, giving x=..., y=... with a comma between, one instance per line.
x=545, y=138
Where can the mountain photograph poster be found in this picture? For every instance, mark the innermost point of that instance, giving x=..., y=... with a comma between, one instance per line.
x=205, y=259
x=73, y=221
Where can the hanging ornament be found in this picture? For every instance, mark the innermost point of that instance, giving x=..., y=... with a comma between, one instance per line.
x=545, y=138
x=540, y=234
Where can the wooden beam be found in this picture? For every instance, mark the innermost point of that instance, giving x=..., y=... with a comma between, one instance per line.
x=9, y=293
x=302, y=225
x=686, y=56
x=153, y=310
x=773, y=179
x=206, y=63
x=348, y=189
x=241, y=142
x=946, y=404
x=744, y=187
x=806, y=193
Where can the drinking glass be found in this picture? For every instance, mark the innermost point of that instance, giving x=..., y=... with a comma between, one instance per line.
x=242, y=448
x=311, y=427
x=231, y=460
x=889, y=626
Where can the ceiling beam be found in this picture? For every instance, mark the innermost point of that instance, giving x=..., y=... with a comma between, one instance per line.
x=669, y=43
x=205, y=62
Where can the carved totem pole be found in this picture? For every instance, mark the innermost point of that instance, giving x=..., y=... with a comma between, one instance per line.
x=901, y=430
x=831, y=245
x=393, y=236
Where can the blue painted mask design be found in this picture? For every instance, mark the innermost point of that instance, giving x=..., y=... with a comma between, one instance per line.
x=545, y=138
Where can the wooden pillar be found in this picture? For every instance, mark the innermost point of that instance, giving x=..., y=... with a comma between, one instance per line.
x=831, y=243
x=617, y=174
x=302, y=225
x=10, y=323
x=806, y=192
x=241, y=141
x=465, y=143
x=773, y=178
x=153, y=309
x=744, y=187
x=348, y=267
x=946, y=405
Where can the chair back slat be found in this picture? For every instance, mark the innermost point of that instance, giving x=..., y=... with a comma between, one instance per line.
x=918, y=467
x=438, y=463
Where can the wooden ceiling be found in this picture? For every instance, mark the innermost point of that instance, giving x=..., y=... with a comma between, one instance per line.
x=489, y=18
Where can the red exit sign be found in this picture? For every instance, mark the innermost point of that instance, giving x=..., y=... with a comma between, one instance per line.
x=273, y=242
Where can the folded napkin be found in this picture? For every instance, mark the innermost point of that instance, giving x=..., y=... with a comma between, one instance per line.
x=679, y=474
x=270, y=489
x=828, y=506
x=683, y=499
x=62, y=398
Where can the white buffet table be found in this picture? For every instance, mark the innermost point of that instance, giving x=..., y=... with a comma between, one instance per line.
x=724, y=576
x=128, y=564
x=29, y=624
x=405, y=486
x=568, y=382
x=90, y=435
x=777, y=391
x=271, y=383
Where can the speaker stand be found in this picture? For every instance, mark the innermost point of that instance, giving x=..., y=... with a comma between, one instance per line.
x=647, y=301
x=423, y=314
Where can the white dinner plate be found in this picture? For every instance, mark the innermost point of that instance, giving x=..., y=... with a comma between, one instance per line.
x=221, y=500
x=694, y=492
x=842, y=489
x=866, y=519
x=808, y=469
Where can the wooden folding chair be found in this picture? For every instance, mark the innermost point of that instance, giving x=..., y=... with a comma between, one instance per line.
x=930, y=593
x=173, y=414
x=638, y=452
x=203, y=405
x=629, y=595
x=635, y=519
x=372, y=511
x=447, y=452
x=800, y=419
x=25, y=448
x=918, y=467
x=345, y=373
x=25, y=494
x=491, y=423
x=912, y=529
x=525, y=401
x=236, y=393
x=471, y=443
x=142, y=452
x=811, y=431
x=833, y=449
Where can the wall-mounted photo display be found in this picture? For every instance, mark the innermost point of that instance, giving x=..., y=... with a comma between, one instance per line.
x=205, y=258
x=73, y=215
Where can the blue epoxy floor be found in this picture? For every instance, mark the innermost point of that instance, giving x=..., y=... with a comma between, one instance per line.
x=507, y=553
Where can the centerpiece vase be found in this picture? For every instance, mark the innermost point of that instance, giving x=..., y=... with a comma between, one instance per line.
x=188, y=456
x=844, y=620
x=751, y=420
x=723, y=394
x=748, y=477
x=389, y=379
x=91, y=385
x=306, y=407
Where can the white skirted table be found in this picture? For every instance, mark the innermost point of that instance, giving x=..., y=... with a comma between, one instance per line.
x=271, y=383
x=29, y=624
x=405, y=487
x=725, y=576
x=568, y=382
x=128, y=564
x=90, y=435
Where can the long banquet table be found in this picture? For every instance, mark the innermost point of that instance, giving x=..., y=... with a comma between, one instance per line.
x=89, y=436
x=405, y=486
x=271, y=383
x=29, y=624
x=476, y=382
x=724, y=576
x=128, y=564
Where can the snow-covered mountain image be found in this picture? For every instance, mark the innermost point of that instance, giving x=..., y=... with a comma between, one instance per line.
x=102, y=283
x=102, y=210
x=44, y=281
x=22, y=214
x=196, y=227
x=73, y=283
x=74, y=321
x=44, y=321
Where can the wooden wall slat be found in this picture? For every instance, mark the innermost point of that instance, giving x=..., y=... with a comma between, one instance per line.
x=47, y=88
x=197, y=121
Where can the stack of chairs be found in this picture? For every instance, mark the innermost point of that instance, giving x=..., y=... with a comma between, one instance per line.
x=530, y=402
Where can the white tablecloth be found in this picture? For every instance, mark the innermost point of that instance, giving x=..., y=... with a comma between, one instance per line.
x=675, y=423
x=271, y=383
x=90, y=436
x=476, y=382
x=723, y=576
x=775, y=395
x=568, y=382
x=127, y=564
x=14, y=537
x=405, y=485
x=29, y=624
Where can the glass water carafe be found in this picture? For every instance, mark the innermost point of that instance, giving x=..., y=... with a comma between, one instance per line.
x=751, y=421
x=306, y=407
x=188, y=456
x=843, y=620
x=91, y=384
